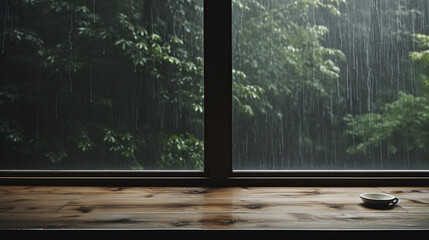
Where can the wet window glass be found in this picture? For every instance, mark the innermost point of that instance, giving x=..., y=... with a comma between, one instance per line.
x=330, y=85
x=101, y=85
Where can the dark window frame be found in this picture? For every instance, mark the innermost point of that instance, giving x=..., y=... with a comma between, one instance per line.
x=218, y=139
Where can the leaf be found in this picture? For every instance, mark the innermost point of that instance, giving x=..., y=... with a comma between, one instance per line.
x=155, y=37
x=247, y=109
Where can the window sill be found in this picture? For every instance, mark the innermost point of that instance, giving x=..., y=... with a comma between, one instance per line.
x=228, y=208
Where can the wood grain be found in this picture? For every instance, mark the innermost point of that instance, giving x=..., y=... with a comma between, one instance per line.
x=375, y=221
x=218, y=205
x=31, y=205
x=68, y=192
x=414, y=199
x=44, y=207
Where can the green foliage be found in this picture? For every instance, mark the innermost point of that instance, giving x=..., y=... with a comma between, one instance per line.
x=121, y=143
x=403, y=124
x=85, y=144
x=56, y=157
x=421, y=56
x=183, y=153
x=331, y=72
x=119, y=84
x=11, y=134
x=406, y=118
x=245, y=93
x=281, y=68
x=296, y=56
x=87, y=83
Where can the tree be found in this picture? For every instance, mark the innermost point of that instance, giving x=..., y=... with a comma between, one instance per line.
x=402, y=125
x=278, y=61
x=303, y=68
x=99, y=84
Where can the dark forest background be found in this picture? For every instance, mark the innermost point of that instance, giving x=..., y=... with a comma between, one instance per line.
x=336, y=84
x=113, y=84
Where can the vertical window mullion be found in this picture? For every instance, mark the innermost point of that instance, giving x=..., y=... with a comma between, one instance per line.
x=218, y=90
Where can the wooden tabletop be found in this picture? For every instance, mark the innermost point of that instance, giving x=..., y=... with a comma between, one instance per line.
x=271, y=208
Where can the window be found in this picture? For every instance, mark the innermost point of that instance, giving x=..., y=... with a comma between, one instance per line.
x=330, y=85
x=142, y=92
x=102, y=85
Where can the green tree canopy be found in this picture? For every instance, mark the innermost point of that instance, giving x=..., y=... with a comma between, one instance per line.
x=99, y=84
x=402, y=124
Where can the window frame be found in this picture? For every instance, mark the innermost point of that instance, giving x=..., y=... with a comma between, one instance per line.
x=217, y=139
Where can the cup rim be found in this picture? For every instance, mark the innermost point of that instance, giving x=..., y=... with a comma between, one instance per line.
x=368, y=197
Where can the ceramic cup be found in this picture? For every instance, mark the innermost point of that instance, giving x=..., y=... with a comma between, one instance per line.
x=379, y=199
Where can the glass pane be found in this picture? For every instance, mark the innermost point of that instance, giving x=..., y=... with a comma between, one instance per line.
x=101, y=85
x=330, y=85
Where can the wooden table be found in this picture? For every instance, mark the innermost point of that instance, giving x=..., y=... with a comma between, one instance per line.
x=235, y=208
